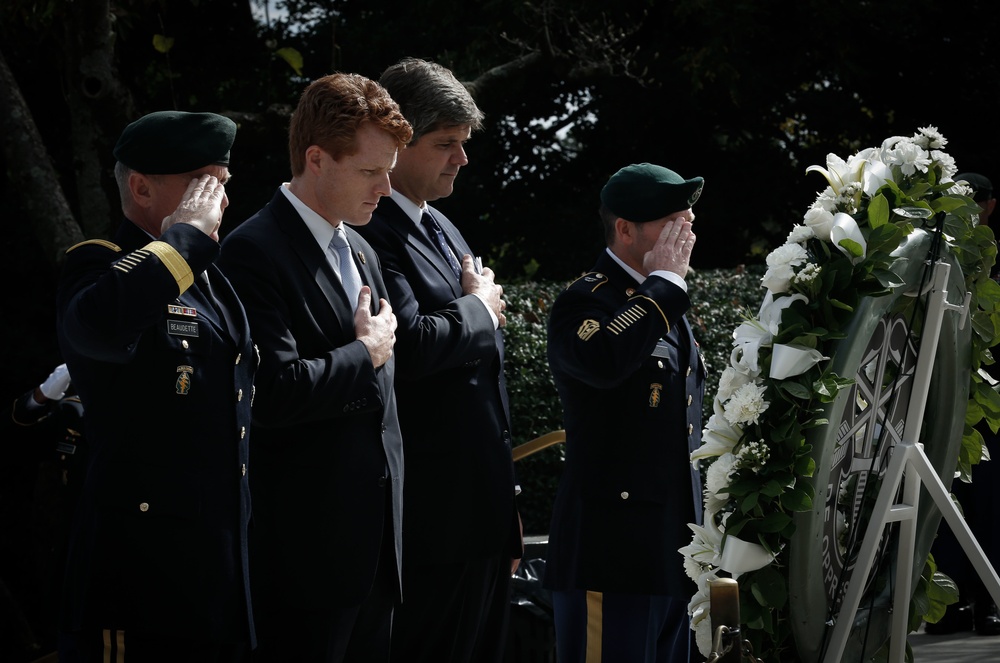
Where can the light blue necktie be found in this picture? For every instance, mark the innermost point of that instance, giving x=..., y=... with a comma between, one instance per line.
x=340, y=251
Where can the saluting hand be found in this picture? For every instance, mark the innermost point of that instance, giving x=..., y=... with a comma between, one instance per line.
x=484, y=286
x=378, y=332
x=202, y=206
x=672, y=250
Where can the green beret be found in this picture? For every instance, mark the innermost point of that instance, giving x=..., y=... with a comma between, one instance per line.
x=171, y=142
x=646, y=192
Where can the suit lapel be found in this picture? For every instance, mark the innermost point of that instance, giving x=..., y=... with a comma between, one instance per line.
x=314, y=262
x=418, y=241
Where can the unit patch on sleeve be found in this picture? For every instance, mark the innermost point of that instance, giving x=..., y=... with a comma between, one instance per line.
x=587, y=329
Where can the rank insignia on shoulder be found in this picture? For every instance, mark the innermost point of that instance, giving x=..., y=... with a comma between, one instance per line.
x=174, y=309
x=654, y=394
x=587, y=329
x=183, y=384
x=595, y=279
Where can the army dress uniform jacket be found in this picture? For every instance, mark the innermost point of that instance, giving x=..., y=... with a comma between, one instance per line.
x=163, y=364
x=326, y=436
x=453, y=407
x=631, y=380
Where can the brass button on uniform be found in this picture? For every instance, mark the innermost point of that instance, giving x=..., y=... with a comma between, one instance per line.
x=184, y=344
x=144, y=506
x=690, y=398
x=659, y=364
x=690, y=428
x=243, y=432
x=239, y=356
x=243, y=469
x=624, y=494
x=239, y=395
x=689, y=370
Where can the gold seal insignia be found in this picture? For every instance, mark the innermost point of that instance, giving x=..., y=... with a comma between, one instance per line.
x=361, y=257
x=183, y=384
x=588, y=329
x=654, y=394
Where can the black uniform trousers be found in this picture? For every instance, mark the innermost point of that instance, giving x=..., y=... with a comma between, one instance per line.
x=352, y=634
x=620, y=628
x=474, y=594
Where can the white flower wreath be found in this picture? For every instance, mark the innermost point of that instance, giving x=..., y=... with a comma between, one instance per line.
x=753, y=449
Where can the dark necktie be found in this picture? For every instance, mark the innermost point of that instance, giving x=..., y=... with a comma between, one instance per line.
x=437, y=236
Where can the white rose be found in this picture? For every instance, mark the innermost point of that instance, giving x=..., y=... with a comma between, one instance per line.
x=820, y=221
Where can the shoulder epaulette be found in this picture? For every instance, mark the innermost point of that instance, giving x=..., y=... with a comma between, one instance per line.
x=96, y=242
x=592, y=280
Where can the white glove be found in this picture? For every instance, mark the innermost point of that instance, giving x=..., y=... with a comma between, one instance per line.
x=56, y=384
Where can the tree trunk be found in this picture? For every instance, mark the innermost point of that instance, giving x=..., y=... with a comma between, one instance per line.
x=32, y=174
x=100, y=107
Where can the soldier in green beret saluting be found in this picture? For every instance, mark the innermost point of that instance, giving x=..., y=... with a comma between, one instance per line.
x=630, y=378
x=161, y=356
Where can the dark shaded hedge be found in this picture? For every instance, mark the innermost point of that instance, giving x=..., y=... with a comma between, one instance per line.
x=720, y=296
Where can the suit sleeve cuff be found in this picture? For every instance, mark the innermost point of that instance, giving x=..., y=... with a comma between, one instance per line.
x=493, y=316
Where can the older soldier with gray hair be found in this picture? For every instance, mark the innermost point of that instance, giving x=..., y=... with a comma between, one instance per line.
x=160, y=353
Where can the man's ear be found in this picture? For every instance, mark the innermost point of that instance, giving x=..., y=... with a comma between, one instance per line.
x=314, y=158
x=141, y=189
x=624, y=231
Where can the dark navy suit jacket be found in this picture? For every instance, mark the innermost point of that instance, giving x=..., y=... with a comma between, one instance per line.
x=631, y=380
x=326, y=436
x=453, y=407
x=159, y=545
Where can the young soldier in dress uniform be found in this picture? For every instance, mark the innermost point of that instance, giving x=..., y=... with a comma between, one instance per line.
x=160, y=353
x=630, y=379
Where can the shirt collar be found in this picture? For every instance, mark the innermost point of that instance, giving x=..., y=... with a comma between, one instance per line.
x=409, y=208
x=320, y=228
x=639, y=278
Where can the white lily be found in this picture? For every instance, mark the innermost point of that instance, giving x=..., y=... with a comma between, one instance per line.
x=845, y=227
x=790, y=360
x=739, y=556
x=757, y=332
x=718, y=437
x=875, y=175
x=730, y=380
x=838, y=173
x=700, y=609
x=706, y=544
